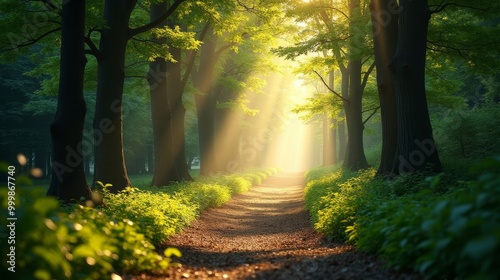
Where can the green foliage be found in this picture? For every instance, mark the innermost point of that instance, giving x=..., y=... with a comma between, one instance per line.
x=438, y=226
x=159, y=214
x=469, y=134
x=336, y=200
x=457, y=235
x=76, y=243
x=318, y=172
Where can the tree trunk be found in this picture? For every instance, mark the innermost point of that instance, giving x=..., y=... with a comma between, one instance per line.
x=162, y=84
x=332, y=131
x=68, y=177
x=175, y=90
x=206, y=131
x=415, y=150
x=355, y=156
x=227, y=124
x=206, y=104
x=326, y=140
x=344, y=87
x=329, y=133
x=108, y=122
x=164, y=171
x=385, y=29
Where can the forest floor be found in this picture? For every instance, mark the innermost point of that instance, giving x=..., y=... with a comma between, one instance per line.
x=266, y=234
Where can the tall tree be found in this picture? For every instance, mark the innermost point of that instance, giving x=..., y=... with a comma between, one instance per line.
x=203, y=78
x=342, y=33
x=68, y=177
x=415, y=150
x=329, y=131
x=109, y=156
x=166, y=88
x=384, y=16
x=355, y=158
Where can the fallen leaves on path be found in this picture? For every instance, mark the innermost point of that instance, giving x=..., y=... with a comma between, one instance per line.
x=266, y=234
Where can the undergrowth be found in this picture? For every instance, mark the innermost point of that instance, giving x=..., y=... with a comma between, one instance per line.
x=73, y=242
x=77, y=242
x=440, y=226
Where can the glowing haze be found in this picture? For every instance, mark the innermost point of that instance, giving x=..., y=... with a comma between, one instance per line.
x=275, y=136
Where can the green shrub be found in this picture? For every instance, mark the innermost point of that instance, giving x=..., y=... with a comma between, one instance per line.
x=319, y=172
x=469, y=134
x=455, y=235
x=159, y=214
x=335, y=200
x=436, y=226
x=78, y=243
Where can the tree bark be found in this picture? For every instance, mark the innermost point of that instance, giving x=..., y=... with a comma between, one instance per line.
x=415, y=149
x=108, y=122
x=167, y=113
x=385, y=30
x=68, y=181
x=175, y=90
x=329, y=133
x=326, y=140
x=355, y=155
x=206, y=104
x=344, y=87
x=227, y=128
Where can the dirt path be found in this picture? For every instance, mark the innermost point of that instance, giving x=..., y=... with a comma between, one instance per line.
x=266, y=234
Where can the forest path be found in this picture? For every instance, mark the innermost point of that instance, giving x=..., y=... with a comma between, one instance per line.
x=266, y=234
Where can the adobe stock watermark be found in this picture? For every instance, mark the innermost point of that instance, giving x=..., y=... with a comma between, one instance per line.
x=11, y=219
x=417, y=157
x=382, y=18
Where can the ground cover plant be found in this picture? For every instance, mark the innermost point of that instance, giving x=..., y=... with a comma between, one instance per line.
x=78, y=242
x=427, y=224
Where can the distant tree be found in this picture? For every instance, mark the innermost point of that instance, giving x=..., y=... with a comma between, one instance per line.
x=166, y=88
x=68, y=181
x=239, y=77
x=22, y=128
x=242, y=22
x=340, y=31
x=384, y=15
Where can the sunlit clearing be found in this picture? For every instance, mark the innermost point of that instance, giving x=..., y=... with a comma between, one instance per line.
x=276, y=137
x=293, y=147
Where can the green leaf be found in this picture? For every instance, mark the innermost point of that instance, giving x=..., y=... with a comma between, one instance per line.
x=493, y=162
x=479, y=248
x=170, y=251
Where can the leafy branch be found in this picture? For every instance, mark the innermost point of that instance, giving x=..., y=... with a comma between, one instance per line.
x=329, y=88
x=152, y=24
